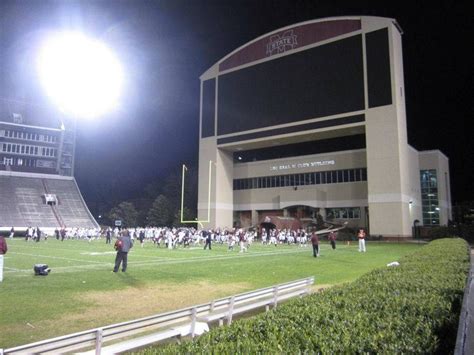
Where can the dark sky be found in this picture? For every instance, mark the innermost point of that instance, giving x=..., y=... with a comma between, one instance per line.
x=166, y=45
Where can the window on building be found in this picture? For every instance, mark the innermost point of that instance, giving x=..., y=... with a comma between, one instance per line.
x=328, y=177
x=317, y=177
x=343, y=213
x=429, y=197
x=292, y=180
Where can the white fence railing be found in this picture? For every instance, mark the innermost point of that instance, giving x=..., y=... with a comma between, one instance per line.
x=184, y=322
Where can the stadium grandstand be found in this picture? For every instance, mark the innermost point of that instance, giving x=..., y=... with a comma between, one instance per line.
x=37, y=185
x=310, y=119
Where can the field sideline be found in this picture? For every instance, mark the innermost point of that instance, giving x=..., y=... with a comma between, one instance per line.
x=82, y=293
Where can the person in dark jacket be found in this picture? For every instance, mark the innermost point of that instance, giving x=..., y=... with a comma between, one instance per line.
x=208, y=239
x=108, y=235
x=332, y=239
x=315, y=243
x=123, y=246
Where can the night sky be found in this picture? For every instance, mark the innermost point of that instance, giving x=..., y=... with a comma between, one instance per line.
x=166, y=45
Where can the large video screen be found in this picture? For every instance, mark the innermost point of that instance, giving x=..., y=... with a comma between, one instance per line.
x=317, y=82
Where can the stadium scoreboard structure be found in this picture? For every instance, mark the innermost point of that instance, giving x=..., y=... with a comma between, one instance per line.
x=311, y=119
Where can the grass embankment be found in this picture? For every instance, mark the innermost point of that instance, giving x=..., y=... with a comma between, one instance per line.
x=82, y=293
x=412, y=308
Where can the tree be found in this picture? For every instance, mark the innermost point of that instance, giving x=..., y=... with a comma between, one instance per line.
x=126, y=213
x=161, y=212
x=172, y=190
x=187, y=216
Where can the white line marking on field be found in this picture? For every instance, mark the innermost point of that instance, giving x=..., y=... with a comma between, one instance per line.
x=56, y=257
x=97, y=253
x=169, y=261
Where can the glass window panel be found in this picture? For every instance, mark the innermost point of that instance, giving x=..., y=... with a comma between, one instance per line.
x=346, y=175
x=343, y=213
x=328, y=177
x=356, y=212
x=350, y=213
x=323, y=177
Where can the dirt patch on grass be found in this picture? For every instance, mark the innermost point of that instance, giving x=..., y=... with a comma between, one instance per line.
x=132, y=303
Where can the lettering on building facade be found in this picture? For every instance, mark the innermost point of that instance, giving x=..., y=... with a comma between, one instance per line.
x=281, y=43
x=303, y=165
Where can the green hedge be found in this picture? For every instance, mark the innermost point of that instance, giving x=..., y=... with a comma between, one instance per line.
x=413, y=308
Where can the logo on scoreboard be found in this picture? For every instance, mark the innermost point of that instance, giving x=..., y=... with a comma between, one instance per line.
x=281, y=43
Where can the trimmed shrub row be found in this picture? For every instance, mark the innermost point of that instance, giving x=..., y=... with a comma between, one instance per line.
x=412, y=308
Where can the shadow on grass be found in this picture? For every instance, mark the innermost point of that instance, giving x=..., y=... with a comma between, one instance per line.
x=130, y=280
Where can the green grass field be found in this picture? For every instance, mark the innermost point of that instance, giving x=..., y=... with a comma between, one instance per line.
x=81, y=292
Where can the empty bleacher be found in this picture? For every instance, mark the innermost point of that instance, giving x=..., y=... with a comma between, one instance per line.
x=23, y=202
x=71, y=207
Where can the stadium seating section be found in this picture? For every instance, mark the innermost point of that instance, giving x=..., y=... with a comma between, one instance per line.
x=23, y=203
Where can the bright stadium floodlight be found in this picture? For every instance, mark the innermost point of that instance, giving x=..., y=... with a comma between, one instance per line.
x=82, y=76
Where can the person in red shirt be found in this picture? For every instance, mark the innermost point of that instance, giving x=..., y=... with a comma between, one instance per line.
x=361, y=236
x=3, y=251
x=315, y=243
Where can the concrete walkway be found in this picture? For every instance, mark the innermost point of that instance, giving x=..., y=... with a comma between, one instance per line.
x=465, y=337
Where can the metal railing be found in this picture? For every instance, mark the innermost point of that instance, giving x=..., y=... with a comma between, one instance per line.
x=465, y=335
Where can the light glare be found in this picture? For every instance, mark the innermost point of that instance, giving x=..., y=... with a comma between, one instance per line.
x=82, y=76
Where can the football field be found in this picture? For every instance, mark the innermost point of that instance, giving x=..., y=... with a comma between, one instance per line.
x=82, y=292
